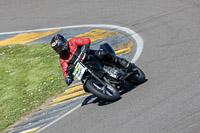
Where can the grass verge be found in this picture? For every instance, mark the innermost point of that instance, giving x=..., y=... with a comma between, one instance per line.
x=29, y=75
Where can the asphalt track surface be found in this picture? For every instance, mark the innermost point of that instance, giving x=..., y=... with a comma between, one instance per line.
x=169, y=101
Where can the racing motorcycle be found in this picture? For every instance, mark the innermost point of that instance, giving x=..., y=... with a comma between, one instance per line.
x=103, y=78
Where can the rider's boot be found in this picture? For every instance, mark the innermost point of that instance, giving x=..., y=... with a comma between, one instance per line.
x=135, y=78
x=105, y=55
x=124, y=63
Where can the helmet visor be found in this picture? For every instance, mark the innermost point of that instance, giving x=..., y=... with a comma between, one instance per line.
x=59, y=46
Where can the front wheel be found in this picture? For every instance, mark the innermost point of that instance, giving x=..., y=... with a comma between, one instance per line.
x=107, y=93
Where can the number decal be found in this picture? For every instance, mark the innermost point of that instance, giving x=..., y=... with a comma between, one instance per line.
x=79, y=71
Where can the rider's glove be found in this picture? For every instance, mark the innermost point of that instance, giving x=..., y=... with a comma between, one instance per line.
x=68, y=80
x=87, y=45
x=69, y=77
x=70, y=69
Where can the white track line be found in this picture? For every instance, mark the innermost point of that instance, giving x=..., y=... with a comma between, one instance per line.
x=134, y=35
x=69, y=112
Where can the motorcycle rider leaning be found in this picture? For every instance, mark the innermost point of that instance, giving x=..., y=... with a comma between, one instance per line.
x=69, y=51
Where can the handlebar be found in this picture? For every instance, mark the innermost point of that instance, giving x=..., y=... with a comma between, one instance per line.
x=83, y=51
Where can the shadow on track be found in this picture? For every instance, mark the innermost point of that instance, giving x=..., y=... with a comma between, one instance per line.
x=95, y=100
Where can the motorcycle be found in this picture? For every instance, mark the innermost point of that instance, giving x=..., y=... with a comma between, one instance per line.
x=103, y=78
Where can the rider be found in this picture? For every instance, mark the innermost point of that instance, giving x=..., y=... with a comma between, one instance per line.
x=69, y=51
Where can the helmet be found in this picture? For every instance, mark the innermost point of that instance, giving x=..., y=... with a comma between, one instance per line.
x=59, y=43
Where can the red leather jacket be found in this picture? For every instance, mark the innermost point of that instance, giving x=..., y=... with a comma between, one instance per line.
x=73, y=44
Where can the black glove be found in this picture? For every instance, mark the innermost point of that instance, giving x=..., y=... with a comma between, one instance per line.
x=70, y=69
x=87, y=45
x=68, y=80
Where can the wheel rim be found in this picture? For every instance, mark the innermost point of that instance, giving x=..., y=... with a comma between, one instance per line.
x=100, y=88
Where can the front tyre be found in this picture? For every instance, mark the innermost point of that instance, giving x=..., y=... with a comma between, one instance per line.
x=108, y=93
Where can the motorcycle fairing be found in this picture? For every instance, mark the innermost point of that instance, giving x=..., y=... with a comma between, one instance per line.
x=107, y=47
x=93, y=63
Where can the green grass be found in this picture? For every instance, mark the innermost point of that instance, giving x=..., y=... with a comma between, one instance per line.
x=29, y=74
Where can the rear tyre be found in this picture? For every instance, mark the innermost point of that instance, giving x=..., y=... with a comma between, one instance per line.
x=108, y=93
x=138, y=77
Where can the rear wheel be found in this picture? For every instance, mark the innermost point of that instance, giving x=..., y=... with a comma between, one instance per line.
x=138, y=77
x=107, y=93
